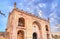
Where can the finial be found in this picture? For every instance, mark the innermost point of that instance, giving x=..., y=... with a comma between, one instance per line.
x=14, y=4
x=48, y=19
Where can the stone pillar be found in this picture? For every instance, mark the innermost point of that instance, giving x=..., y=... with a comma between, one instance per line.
x=14, y=33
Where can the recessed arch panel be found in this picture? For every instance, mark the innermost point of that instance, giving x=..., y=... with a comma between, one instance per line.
x=37, y=28
x=38, y=24
x=21, y=22
x=47, y=28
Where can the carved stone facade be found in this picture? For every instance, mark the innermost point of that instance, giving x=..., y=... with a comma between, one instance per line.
x=22, y=25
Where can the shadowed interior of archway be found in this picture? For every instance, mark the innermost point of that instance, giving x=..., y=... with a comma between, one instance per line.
x=34, y=35
x=47, y=30
x=20, y=34
x=21, y=22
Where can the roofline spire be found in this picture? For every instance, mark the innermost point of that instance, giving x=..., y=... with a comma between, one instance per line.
x=14, y=5
x=48, y=19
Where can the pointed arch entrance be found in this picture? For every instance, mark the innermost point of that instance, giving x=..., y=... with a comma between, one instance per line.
x=37, y=30
x=20, y=34
x=34, y=35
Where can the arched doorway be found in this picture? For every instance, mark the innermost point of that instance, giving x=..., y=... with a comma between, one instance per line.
x=34, y=35
x=20, y=34
x=37, y=29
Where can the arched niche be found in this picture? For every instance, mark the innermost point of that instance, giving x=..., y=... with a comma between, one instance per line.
x=38, y=29
x=21, y=22
x=46, y=27
x=20, y=34
x=35, y=23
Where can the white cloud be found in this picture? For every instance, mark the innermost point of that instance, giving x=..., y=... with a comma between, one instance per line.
x=42, y=5
x=58, y=26
x=20, y=4
x=10, y=8
x=53, y=16
x=3, y=23
x=40, y=13
x=53, y=29
x=53, y=5
x=53, y=22
x=28, y=9
x=52, y=19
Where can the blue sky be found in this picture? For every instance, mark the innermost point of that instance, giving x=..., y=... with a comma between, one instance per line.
x=41, y=8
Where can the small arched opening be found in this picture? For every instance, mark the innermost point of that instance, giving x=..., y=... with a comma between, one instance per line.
x=47, y=29
x=21, y=22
